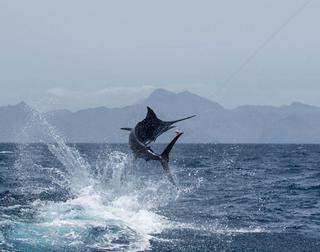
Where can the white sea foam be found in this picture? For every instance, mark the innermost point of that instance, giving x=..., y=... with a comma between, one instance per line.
x=122, y=217
x=217, y=228
x=6, y=152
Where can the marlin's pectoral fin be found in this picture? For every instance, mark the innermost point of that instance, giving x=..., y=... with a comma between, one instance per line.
x=128, y=129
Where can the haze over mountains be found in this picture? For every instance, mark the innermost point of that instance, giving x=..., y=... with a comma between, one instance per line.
x=295, y=123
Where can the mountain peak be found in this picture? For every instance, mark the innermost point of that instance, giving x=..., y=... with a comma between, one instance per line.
x=161, y=92
x=176, y=102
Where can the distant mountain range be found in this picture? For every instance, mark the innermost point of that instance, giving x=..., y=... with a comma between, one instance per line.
x=295, y=123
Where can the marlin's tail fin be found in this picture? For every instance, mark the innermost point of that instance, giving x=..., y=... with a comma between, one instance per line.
x=165, y=157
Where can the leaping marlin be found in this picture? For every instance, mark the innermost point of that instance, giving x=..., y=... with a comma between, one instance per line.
x=146, y=132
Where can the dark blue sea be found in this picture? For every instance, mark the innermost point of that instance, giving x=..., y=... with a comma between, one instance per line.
x=96, y=197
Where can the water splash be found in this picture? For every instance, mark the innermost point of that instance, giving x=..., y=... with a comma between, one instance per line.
x=106, y=205
x=77, y=169
x=112, y=169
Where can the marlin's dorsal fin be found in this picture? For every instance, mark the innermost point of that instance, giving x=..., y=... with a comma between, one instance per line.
x=151, y=115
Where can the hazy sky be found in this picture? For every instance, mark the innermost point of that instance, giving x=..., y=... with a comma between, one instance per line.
x=77, y=54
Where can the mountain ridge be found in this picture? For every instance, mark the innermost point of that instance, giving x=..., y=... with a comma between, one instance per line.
x=293, y=123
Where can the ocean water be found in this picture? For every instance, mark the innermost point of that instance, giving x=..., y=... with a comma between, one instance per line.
x=95, y=197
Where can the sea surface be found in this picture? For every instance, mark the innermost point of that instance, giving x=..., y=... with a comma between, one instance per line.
x=97, y=197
